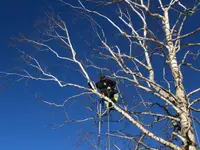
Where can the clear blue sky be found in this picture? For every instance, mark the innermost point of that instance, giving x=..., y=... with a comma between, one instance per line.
x=23, y=119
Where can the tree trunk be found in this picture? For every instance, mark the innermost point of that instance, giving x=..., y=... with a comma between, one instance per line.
x=182, y=101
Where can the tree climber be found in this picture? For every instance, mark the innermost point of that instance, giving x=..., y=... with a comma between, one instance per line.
x=107, y=87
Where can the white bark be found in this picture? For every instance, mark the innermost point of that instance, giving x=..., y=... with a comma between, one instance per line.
x=182, y=102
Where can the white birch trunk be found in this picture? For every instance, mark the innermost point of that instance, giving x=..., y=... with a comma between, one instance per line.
x=182, y=103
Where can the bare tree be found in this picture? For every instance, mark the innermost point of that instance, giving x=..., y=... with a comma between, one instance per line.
x=144, y=46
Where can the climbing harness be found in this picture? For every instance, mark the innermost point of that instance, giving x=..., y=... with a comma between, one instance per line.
x=115, y=99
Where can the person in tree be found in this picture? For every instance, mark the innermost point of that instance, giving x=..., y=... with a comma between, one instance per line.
x=107, y=87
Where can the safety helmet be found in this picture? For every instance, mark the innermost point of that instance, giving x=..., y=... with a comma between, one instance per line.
x=102, y=76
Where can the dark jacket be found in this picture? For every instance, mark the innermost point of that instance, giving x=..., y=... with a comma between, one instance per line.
x=107, y=87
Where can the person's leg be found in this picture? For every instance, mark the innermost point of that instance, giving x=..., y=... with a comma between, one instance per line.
x=116, y=97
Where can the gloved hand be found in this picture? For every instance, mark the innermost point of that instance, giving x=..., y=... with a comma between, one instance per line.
x=108, y=88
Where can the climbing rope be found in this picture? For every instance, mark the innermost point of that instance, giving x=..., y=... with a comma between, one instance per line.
x=108, y=130
x=99, y=132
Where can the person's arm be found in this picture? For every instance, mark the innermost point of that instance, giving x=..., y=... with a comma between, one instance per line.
x=97, y=84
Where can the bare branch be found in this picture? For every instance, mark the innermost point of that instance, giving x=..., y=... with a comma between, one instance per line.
x=193, y=92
